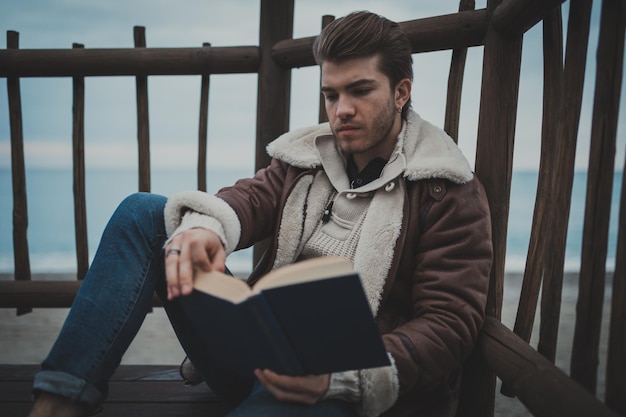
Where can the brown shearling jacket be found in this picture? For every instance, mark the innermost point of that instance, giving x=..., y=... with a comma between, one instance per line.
x=427, y=272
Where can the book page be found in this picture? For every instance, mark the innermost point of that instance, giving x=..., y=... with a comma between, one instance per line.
x=308, y=270
x=222, y=285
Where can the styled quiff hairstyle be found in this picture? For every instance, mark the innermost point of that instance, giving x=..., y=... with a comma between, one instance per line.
x=364, y=34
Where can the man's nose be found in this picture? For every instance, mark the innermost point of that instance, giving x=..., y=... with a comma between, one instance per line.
x=345, y=108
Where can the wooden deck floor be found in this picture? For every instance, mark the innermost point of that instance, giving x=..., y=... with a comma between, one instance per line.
x=135, y=391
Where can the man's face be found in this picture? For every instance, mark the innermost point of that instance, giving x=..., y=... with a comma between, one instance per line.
x=361, y=108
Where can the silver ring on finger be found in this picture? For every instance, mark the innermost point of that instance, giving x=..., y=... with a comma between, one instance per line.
x=172, y=251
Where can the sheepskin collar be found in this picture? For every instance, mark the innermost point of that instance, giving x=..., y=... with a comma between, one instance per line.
x=428, y=150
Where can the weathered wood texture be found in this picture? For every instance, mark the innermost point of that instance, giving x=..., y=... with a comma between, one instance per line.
x=537, y=248
x=514, y=17
x=458, y=30
x=494, y=165
x=570, y=102
x=274, y=85
x=135, y=391
x=455, y=83
x=130, y=61
x=23, y=295
x=78, y=154
x=610, y=56
x=544, y=389
x=21, y=256
x=203, y=129
x=616, y=359
x=143, y=121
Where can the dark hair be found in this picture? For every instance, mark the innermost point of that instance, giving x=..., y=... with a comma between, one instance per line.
x=365, y=34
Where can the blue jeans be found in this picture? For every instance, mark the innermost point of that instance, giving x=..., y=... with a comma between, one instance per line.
x=110, y=307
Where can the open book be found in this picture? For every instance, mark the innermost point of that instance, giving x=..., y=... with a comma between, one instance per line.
x=311, y=317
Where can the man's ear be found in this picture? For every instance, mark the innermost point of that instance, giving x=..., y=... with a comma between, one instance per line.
x=403, y=92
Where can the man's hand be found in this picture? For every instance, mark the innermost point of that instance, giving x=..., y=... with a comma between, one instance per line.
x=192, y=249
x=299, y=389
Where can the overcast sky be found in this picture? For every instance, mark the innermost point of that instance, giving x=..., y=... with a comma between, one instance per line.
x=110, y=124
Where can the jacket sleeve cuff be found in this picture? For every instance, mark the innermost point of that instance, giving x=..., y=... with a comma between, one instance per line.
x=193, y=220
x=220, y=217
x=379, y=388
x=344, y=386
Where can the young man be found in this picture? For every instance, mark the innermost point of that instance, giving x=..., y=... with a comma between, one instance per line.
x=377, y=185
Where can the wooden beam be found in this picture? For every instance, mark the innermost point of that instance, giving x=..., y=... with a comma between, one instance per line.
x=128, y=61
x=42, y=294
x=543, y=388
x=515, y=17
x=457, y=30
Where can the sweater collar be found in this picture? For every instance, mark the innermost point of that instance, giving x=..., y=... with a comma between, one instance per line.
x=428, y=151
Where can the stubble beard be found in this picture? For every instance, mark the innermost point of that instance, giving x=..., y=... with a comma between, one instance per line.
x=379, y=132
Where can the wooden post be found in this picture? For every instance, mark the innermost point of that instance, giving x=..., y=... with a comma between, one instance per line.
x=18, y=175
x=143, y=124
x=274, y=85
x=570, y=104
x=322, y=116
x=494, y=165
x=553, y=80
x=616, y=359
x=610, y=56
x=455, y=83
x=203, y=128
x=78, y=152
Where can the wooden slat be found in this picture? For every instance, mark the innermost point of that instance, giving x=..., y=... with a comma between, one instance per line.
x=195, y=409
x=143, y=123
x=610, y=56
x=457, y=30
x=274, y=84
x=21, y=257
x=322, y=116
x=203, y=128
x=455, y=83
x=543, y=388
x=128, y=61
x=533, y=272
x=553, y=93
x=78, y=153
x=616, y=357
x=139, y=391
x=494, y=163
x=42, y=294
x=135, y=390
x=514, y=17
x=565, y=153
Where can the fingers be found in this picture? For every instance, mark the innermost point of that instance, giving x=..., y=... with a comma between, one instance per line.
x=193, y=249
x=305, y=389
x=173, y=251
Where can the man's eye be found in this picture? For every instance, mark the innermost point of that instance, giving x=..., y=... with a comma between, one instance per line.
x=362, y=91
x=330, y=97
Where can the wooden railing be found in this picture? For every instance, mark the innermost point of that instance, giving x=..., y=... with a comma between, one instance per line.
x=498, y=29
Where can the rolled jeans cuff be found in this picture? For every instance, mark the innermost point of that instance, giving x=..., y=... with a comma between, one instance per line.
x=68, y=386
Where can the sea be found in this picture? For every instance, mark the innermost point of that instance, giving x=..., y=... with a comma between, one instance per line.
x=51, y=214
